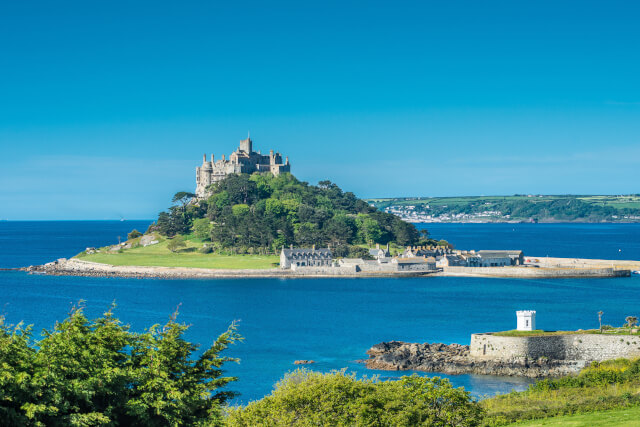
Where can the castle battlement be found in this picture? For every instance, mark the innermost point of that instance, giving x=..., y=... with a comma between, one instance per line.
x=242, y=160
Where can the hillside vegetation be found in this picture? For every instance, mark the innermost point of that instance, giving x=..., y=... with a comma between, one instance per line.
x=515, y=208
x=603, y=386
x=261, y=213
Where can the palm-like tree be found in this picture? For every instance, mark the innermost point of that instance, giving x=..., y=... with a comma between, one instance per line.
x=600, y=313
x=631, y=321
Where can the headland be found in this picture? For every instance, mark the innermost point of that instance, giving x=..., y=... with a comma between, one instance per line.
x=526, y=355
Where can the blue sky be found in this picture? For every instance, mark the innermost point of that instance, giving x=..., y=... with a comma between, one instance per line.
x=107, y=107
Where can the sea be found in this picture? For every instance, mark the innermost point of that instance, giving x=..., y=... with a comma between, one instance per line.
x=330, y=321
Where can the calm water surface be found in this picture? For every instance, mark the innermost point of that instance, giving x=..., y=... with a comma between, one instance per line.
x=332, y=321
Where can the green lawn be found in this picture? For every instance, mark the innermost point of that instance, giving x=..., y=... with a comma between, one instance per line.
x=628, y=417
x=159, y=255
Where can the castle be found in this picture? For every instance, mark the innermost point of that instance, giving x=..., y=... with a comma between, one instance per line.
x=243, y=160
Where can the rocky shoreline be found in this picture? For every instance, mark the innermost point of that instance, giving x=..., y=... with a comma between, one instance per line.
x=455, y=359
x=77, y=267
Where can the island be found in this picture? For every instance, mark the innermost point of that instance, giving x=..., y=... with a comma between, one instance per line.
x=251, y=217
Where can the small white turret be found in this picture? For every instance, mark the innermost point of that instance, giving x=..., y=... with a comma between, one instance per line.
x=526, y=320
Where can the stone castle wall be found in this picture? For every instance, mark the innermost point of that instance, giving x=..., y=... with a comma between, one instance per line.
x=529, y=272
x=588, y=347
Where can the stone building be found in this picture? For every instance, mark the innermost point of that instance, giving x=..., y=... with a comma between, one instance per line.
x=526, y=320
x=380, y=253
x=242, y=160
x=305, y=257
x=498, y=258
x=414, y=264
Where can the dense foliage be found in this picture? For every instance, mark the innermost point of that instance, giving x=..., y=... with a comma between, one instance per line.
x=96, y=372
x=263, y=213
x=306, y=398
x=601, y=386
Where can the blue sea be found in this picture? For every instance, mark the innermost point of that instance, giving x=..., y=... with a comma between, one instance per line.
x=332, y=321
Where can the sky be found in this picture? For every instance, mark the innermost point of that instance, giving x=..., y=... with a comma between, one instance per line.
x=107, y=107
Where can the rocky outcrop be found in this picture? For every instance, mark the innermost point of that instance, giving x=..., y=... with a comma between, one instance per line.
x=455, y=359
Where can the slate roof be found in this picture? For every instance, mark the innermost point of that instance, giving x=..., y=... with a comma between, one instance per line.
x=307, y=253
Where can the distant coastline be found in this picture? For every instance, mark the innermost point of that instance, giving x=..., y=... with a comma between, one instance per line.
x=514, y=209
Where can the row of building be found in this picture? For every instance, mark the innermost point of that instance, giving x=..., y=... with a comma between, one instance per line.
x=414, y=258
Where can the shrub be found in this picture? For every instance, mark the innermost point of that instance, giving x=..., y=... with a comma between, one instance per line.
x=96, y=372
x=134, y=234
x=176, y=243
x=206, y=249
x=305, y=398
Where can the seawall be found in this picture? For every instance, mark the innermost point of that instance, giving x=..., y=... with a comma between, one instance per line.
x=77, y=267
x=577, y=347
x=533, y=272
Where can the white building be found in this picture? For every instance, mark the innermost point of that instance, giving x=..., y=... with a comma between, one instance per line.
x=526, y=320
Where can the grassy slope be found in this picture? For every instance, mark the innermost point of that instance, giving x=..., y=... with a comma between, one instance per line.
x=159, y=255
x=626, y=417
x=610, y=385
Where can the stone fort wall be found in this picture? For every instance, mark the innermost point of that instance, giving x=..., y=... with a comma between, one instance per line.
x=587, y=347
x=528, y=272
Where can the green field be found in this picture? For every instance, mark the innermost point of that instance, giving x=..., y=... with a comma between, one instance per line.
x=159, y=256
x=551, y=208
x=627, y=417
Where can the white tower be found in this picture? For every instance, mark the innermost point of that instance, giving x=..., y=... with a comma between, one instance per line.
x=526, y=320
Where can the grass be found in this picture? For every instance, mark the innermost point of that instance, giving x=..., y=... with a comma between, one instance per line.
x=604, y=386
x=626, y=417
x=159, y=256
x=541, y=333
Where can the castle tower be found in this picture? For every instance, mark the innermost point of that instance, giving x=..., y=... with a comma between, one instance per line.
x=246, y=145
x=526, y=320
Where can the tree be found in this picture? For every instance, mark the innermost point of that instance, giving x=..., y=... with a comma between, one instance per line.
x=631, y=321
x=96, y=372
x=202, y=228
x=600, y=313
x=305, y=398
x=182, y=198
x=176, y=243
x=134, y=234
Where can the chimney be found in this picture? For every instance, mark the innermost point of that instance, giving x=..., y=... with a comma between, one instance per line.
x=314, y=247
x=223, y=158
x=291, y=246
x=377, y=245
x=204, y=158
x=287, y=162
x=212, y=159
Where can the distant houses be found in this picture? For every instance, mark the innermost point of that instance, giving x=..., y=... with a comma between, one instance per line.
x=412, y=259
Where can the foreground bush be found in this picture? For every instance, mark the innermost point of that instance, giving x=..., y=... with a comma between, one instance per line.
x=85, y=373
x=602, y=386
x=306, y=398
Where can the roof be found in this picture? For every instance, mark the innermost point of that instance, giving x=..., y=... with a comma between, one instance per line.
x=498, y=253
x=411, y=260
x=306, y=252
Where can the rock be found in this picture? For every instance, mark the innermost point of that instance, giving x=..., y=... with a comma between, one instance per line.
x=304, y=362
x=455, y=359
x=148, y=239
